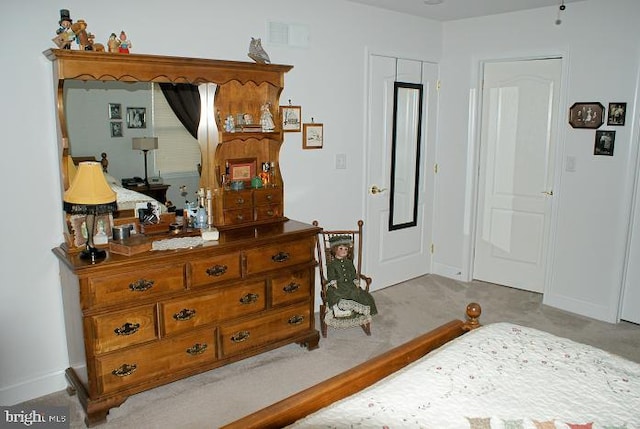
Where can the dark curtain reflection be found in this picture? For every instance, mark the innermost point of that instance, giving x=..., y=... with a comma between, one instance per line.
x=184, y=100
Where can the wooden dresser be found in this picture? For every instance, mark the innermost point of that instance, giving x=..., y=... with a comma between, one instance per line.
x=137, y=322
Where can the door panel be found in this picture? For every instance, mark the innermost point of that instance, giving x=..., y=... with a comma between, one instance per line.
x=391, y=257
x=516, y=172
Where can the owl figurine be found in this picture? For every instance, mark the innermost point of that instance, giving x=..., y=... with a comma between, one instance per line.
x=257, y=53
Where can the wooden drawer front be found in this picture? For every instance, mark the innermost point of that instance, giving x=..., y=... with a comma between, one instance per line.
x=277, y=325
x=268, y=212
x=137, y=284
x=182, y=314
x=237, y=217
x=267, y=196
x=214, y=270
x=290, y=287
x=242, y=299
x=279, y=256
x=124, y=328
x=237, y=199
x=120, y=370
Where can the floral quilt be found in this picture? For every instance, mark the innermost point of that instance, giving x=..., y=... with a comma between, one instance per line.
x=500, y=376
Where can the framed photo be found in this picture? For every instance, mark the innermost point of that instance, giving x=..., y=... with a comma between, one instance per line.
x=290, y=116
x=242, y=169
x=604, y=142
x=312, y=136
x=116, y=128
x=617, y=113
x=586, y=115
x=148, y=213
x=78, y=228
x=115, y=111
x=136, y=117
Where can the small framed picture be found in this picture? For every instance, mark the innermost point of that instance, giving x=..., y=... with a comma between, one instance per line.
x=148, y=213
x=312, y=136
x=290, y=116
x=605, y=140
x=242, y=169
x=136, y=117
x=78, y=228
x=586, y=115
x=116, y=128
x=115, y=111
x=617, y=113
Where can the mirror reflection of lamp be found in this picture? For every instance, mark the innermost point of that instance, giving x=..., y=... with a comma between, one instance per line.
x=90, y=195
x=145, y=144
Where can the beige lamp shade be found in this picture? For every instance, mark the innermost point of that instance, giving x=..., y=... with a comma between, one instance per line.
x=144, y=143
x=89, y=187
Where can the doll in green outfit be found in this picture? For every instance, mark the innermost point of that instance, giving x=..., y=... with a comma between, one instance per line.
x=345, y=297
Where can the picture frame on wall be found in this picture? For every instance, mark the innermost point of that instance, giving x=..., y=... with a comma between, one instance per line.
x=312, y=136
x=115, y=111
x=136, y=117
x=116, y=128
x=586, y=115
x=617, y=113
x=605, y=140
x=291, y=118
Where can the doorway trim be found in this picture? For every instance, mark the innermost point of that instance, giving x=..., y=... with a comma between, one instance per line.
x=473, y=162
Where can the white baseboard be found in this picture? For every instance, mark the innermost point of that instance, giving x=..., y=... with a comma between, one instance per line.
x=447, y=271
x=34, y=388
x=583, y=308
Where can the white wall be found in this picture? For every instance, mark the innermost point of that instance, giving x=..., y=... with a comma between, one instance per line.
x=600, y=41
x=327, y=81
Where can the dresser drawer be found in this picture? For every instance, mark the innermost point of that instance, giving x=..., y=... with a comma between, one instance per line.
x=267, y=212
x=182, y=314
x=237, y=217
x=242, y=299
x=267, y=196
x=279, y=256
x=277, y=325
x=237, y=199
x=290, y=287
x=123, y=328
x=140, y=283
x=120, y=370
x=214, y=270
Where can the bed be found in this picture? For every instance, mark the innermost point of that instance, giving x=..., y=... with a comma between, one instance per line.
x=497, y=376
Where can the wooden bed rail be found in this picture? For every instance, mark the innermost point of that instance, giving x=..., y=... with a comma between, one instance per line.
x=312, y=399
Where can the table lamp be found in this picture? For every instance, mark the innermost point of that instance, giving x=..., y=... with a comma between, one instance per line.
x=145, y=144
x=90, y=195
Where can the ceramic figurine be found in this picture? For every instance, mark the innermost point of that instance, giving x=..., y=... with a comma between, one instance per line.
x=256, y=53
x=65, y=36
x=113, y=43
x=82, y=37
x=125, y=44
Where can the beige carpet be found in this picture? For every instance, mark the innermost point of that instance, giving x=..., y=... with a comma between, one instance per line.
x=222, y=395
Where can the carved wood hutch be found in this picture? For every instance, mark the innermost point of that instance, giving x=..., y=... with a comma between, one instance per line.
x=137, y=322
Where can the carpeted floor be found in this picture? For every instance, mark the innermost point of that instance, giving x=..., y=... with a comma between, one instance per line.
x=222, y=395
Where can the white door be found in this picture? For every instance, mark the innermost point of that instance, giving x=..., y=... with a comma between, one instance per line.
x=391, y=257
x=518, y=135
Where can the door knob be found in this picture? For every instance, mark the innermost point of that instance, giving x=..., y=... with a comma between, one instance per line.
x=549, y=193
x=375, y=190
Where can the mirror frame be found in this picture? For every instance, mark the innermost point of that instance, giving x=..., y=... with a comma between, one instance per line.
x=398, y=142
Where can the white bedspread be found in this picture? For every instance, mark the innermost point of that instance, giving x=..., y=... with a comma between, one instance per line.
x=500, y=376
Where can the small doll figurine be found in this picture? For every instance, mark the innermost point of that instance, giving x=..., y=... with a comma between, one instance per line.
x=266, y=118
x=125, y=44
x=65, y=35
x=113, y=43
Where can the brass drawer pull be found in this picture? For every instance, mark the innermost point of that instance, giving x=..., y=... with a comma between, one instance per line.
x=249, y=298
x=141, y=285
x=184, y=314
x=125, y=370
x=291, y=287
x=240, y=201
x=127, y=329
x=240, y=336
x=296, y=320
x=240, y=217
x=197, y=349
x=280, y=257
x=217, y=270
x=270, y=213
x=269, y=197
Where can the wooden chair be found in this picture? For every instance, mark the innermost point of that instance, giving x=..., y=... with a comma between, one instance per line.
x=325, y=256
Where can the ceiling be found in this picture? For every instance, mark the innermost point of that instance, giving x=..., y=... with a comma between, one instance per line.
x=450, y=10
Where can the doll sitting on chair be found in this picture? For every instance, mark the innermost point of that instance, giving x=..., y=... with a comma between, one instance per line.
x=345, y=297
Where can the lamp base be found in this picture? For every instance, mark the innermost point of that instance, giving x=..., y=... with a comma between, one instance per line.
x=92, y=254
